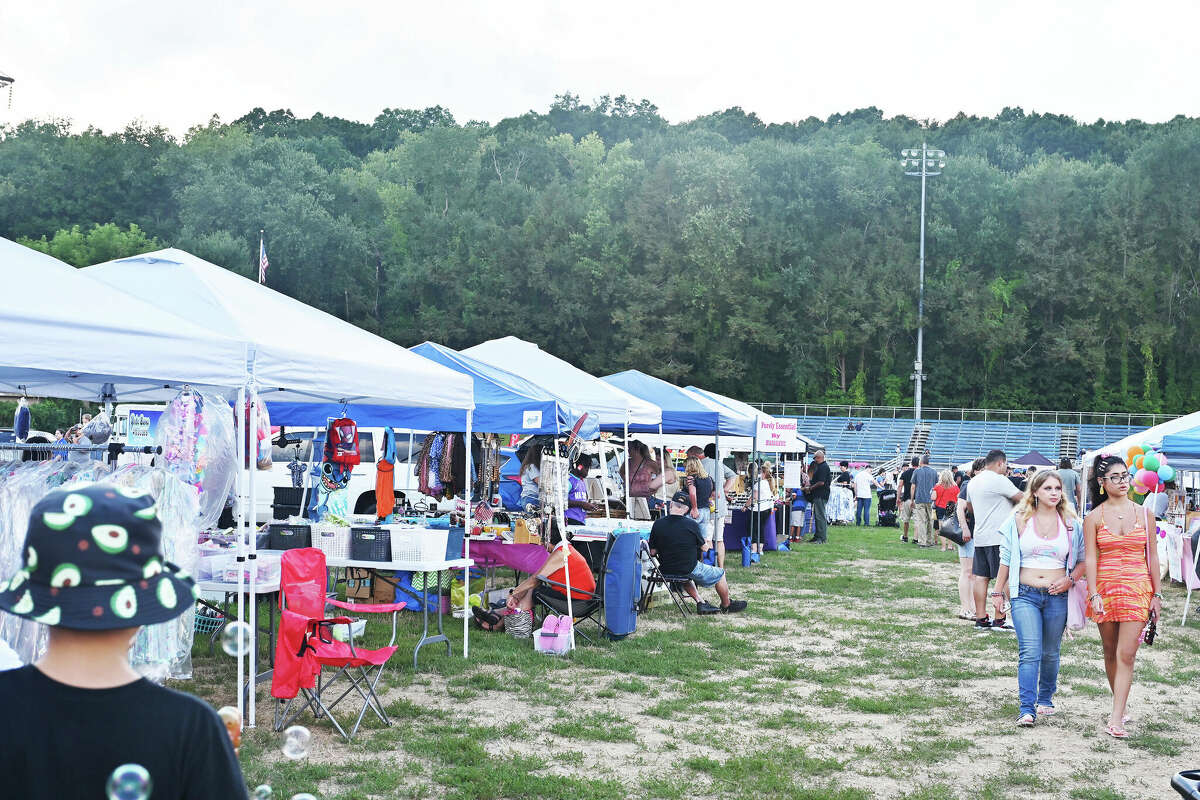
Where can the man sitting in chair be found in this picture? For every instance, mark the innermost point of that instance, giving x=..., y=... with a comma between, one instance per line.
x=677, y=542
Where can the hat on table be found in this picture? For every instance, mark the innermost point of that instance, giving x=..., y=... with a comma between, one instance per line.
x=93, y=561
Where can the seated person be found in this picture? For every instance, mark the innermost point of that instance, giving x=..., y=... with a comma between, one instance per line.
x=677, y=543
x=554, y=568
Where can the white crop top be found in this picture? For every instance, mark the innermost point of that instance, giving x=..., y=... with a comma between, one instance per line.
x=1039, y=553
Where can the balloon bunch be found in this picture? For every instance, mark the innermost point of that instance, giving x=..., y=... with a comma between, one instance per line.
x=1149, y=468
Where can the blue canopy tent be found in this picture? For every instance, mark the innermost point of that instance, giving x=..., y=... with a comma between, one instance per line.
x=1183, y=450
x=681, y=413
x=507, y=403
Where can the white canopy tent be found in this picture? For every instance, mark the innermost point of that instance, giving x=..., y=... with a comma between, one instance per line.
x=296, y=352
x=614, y=407
x=68, y=335
x=304, y=362
x=1152, y=436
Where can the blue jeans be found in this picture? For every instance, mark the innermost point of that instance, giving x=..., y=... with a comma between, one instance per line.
x=862, y=510
x=1040, y=619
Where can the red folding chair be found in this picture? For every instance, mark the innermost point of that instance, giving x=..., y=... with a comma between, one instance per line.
x=306, y=645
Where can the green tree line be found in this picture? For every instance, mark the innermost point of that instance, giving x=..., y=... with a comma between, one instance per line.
x=774, y=262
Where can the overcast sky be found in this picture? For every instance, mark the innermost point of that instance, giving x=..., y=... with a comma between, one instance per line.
x=177, y=64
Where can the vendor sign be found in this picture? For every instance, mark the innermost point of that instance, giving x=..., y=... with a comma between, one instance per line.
x=778, y=435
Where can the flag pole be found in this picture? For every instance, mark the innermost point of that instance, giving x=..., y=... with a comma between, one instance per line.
x=261, y=252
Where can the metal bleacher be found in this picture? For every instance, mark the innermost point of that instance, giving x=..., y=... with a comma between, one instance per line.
x=957, y=435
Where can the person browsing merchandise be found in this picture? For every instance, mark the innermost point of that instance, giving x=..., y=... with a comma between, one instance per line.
x=678, y=544
x=819, y=489
x=95, y=574
x=990, y=497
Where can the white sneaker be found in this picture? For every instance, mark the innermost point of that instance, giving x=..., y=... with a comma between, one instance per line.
x=1003, y=626
x=1046, y=711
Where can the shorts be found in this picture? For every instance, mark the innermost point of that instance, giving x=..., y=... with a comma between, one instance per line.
x=987, y=561
x=705, y=523
x=967, y=550
x=706, y=575
x=905, y=510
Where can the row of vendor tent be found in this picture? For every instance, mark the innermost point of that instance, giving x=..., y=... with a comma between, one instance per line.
x=1179, y=438
x=115, y=331
x=140, y=328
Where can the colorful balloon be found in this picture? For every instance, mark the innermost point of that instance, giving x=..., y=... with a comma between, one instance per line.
x=1138, y=461
x=1133, y=453
x=1161, y=487
x=1151, y=462
x=1166, y=473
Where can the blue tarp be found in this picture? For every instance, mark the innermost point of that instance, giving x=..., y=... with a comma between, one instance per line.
x=507, y=403
x=681, y=413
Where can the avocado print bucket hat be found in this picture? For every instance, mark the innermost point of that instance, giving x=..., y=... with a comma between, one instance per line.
x=93, y=561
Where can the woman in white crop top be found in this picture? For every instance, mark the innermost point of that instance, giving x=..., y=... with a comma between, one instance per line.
x=1039, y=552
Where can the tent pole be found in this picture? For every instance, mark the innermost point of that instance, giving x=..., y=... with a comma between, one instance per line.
x=603, y=477
x=408, y=500
x=662, y=463
x=467, y=526
x=252, y=566
x=754, y=488
x=562, y=531
x=628, y=500
x=719, y=486
x=240, y=558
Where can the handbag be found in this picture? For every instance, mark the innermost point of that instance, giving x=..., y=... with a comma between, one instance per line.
x=950, y=529
x=1077, y=606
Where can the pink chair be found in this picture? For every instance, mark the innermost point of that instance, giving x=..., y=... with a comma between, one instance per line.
x=306, y=646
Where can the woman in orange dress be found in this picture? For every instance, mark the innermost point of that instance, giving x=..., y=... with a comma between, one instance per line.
x=1122, y=576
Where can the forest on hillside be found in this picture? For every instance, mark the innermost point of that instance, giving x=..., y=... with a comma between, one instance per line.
x=773, y=262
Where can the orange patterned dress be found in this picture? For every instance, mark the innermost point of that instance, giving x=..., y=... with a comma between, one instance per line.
x=1122, y=574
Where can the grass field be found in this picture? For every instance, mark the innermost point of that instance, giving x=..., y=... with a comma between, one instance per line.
x=848, y=677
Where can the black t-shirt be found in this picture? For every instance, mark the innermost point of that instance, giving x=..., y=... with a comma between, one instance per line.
x=704, y=490
x=678, y=540
x=906, y=483
x=822, y=475
x=843, y=478
x=60, y=742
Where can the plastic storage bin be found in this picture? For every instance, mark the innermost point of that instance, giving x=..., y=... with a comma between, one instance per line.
x=420, y=544
x=332, y=540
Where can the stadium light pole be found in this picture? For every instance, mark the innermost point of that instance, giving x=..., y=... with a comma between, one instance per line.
x=924, y=163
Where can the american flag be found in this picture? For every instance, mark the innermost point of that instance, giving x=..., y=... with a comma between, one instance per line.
x=263, y=264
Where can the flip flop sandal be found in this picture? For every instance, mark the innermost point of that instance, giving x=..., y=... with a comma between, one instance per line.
x=1116, y=732
x=488, y=620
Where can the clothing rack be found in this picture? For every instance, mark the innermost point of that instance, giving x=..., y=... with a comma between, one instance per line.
x=113, y=449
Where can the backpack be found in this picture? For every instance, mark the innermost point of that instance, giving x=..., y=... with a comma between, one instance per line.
x=341, y=442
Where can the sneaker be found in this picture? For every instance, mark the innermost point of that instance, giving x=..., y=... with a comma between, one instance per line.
x=755, y=558
x=983, y=624
x=1025, y=721
x=1046, y=711
x=904, y=539
x=734, y=607
x=707, y=608
x=1002, y=624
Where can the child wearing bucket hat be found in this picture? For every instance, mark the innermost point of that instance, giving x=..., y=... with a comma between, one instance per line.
x=93, y=571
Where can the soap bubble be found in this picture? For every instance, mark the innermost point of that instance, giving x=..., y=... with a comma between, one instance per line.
x=262, y=792
x=295, y=742
x=237, y=638
x=129, y=782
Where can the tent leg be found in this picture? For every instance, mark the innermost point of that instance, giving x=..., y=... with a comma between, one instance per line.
x=628, y=497
x=240, y=558
x=252, y=566
x=468, y=524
